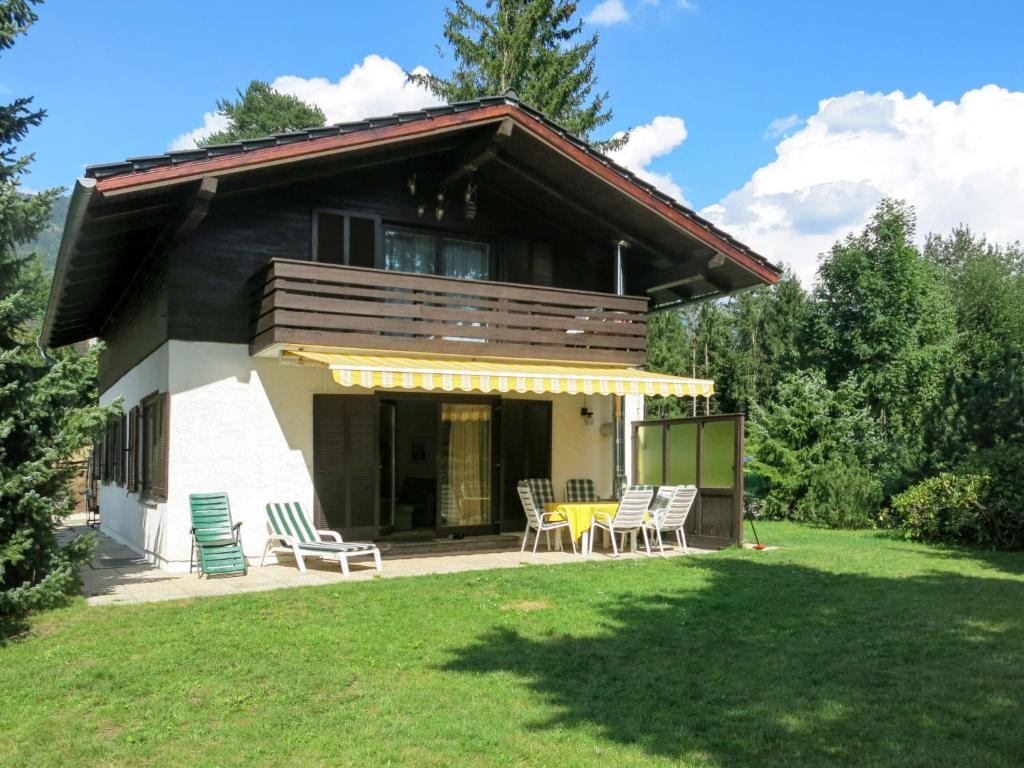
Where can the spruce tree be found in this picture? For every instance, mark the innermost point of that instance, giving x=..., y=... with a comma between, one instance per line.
x=262, y=111
x=45, y=397
x=531, y=46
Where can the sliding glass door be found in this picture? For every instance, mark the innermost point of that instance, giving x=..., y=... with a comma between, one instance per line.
x=466, y=465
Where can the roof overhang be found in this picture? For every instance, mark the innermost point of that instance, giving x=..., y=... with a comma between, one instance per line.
x=125, y=209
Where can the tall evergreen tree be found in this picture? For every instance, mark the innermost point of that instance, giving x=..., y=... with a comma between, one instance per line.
x=982, y=405
x=768, y=336
x=531, y=46
x=262, y=111
x=884, y=316
x=45, y=413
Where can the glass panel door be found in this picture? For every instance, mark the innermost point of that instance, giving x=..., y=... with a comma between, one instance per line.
x=465, y=465
x=409, y=252
x=466, y=259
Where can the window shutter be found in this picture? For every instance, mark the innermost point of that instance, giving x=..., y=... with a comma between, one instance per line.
x=344, y=463
x=108, y=453
x=101, y=458
x=132, y=474
x=119, y=424
x=160, y=443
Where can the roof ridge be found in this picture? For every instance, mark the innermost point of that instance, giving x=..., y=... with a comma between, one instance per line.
x=510, y=97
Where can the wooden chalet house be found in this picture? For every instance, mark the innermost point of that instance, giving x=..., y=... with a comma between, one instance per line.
x=391, y=321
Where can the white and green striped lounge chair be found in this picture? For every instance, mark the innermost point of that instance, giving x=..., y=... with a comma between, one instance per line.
x=289, y=531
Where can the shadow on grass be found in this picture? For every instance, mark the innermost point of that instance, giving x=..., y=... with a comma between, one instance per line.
x=776, y=664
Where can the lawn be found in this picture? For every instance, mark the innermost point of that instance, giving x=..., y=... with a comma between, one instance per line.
x=838, y=649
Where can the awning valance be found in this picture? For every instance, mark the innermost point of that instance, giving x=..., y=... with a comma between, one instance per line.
x=471, y=375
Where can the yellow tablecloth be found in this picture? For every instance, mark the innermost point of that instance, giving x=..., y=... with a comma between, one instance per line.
x=581, y=515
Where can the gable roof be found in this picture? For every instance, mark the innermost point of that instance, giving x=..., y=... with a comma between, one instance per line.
x=153, y=181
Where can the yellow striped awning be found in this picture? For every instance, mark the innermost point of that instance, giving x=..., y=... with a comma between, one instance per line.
x=471, y=375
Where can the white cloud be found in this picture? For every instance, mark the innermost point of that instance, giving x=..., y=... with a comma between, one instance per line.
x=687, y=5
x=647, y=142
x=781, y=125
x=608, y=12
x=376, y=86
x=212, y=122
x=957, y=162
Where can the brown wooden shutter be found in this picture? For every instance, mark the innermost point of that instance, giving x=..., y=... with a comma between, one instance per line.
x=108, y=453
x=362, y=466
x=119, y=449
x=345, y=463
x=161, y=424
x=101, y=458
x=526, y=446
x=132, y=475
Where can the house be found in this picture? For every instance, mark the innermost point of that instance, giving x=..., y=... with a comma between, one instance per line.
x=391, y=321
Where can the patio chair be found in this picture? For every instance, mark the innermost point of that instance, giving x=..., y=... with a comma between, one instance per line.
x=216, y=546
x=539, y=520
x=542, y=490
x=288, y=525
x=628, y=518
x=672, y=516
x=580, y=490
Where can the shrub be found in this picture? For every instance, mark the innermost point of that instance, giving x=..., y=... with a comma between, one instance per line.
x=812, y=448
x=1002, y=524
x=946, y=507
x=840, y=494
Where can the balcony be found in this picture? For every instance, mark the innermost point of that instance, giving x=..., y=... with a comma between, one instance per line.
x=328, y=305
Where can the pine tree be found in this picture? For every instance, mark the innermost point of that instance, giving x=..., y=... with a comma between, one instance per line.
x=531, y=46
x=45, y=397
x=262, y=111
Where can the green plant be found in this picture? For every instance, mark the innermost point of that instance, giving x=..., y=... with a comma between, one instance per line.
x=946, y=507
x=1002, y=524
x=841, y=494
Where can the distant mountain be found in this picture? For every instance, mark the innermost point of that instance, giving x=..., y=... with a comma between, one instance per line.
x=48, y=242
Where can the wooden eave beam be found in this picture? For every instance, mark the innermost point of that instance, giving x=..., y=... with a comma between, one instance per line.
x=577, y=206
x=478, y=153
x=173, y=232
x=695, y=271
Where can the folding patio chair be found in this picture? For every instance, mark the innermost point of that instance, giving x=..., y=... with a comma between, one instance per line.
x=216, y=546
x=672, y=516
x=539, y=520
x=580, y=490
x=288, y=525
x=628, y=518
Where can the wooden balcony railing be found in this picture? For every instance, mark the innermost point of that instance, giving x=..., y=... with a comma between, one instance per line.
x=312, y=304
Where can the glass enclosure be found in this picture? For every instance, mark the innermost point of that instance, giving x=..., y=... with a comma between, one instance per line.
x=650, y=455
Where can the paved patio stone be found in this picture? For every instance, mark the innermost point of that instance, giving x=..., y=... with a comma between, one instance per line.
x=117, y=575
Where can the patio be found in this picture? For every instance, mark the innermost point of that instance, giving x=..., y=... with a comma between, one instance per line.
x=117, y=575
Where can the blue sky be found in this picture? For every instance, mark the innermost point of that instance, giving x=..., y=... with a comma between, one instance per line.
x=126, y=78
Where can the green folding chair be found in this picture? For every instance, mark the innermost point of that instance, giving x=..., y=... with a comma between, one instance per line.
x=216, y=546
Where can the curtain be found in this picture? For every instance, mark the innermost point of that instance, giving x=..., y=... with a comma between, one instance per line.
x=409, y=252
x=468, y=474
x=467, y=260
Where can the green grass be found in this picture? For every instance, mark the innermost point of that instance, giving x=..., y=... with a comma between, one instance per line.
x=841, y=649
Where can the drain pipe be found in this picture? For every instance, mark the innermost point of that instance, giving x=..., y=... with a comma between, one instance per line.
x=619, y=461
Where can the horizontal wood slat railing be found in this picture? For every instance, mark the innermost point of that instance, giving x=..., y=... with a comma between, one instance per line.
x=307, y=303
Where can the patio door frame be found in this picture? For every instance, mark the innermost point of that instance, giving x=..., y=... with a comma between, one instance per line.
x=437, y=399
x=695, y=523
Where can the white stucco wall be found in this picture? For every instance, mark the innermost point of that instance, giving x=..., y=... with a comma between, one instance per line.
x=241, y=425
x=244, y=426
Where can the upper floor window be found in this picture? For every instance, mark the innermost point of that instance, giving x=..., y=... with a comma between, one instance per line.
x=428, y=254
x=341, y=237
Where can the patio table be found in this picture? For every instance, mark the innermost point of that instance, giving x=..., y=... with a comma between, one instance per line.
x=580, y=515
